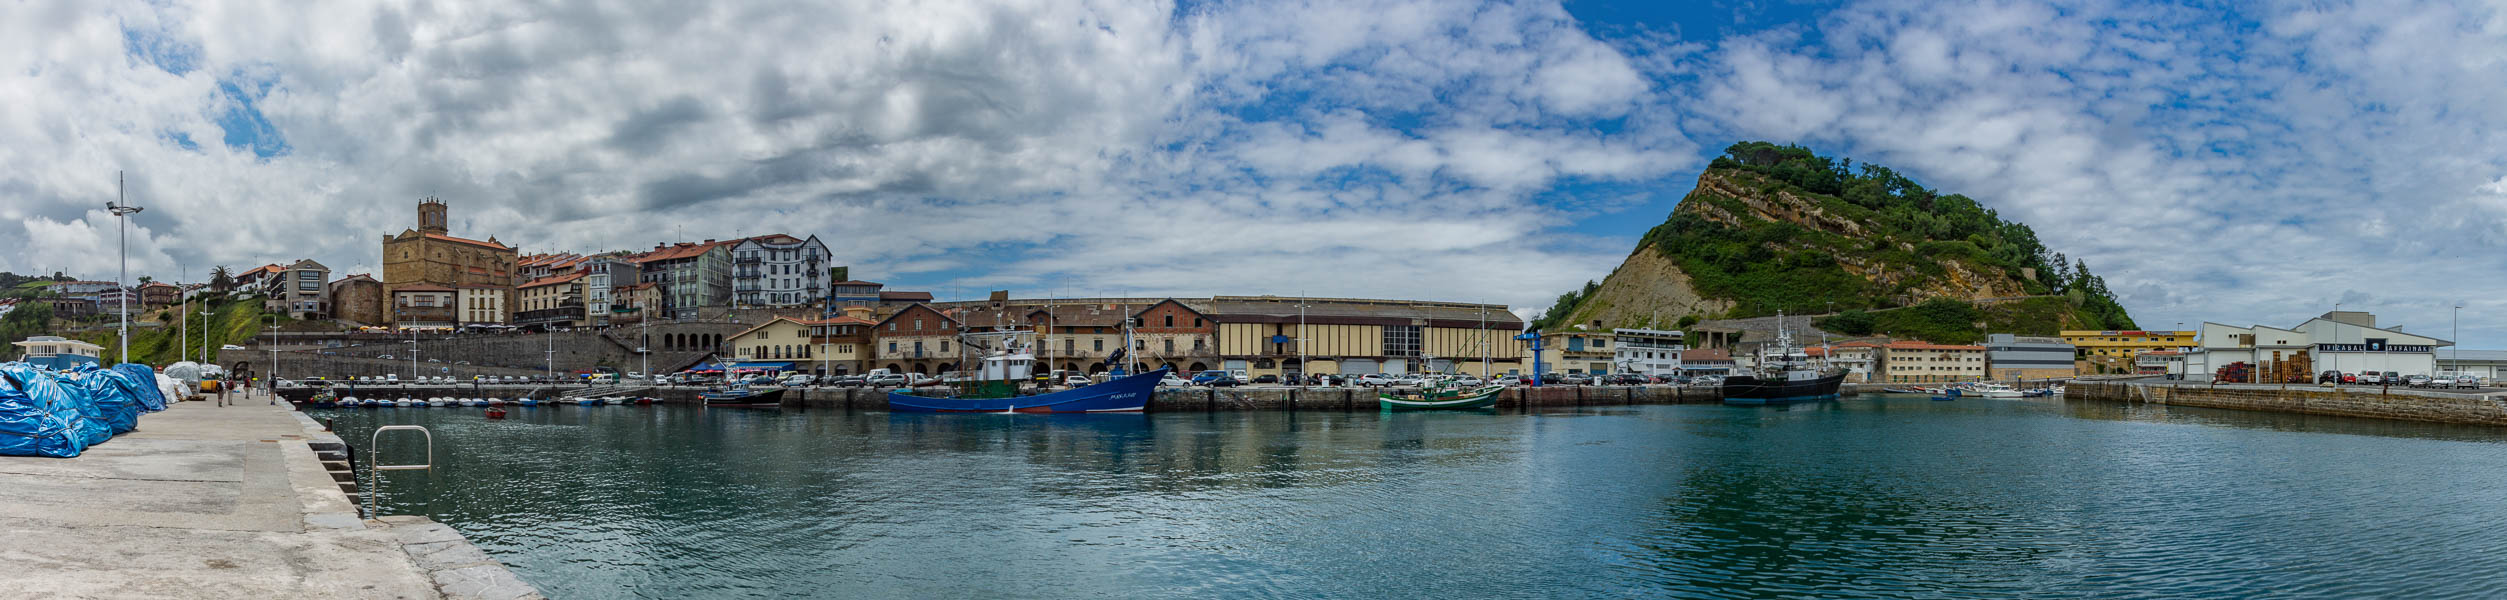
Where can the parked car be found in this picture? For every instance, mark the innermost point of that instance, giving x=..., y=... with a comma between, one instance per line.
x=1468, y=381
x=2416, y=380
x=1214, y=378
x=1376, y=380
x=1552, y=379
x=384, y=357
x=797, y=380
x=1267, y=379
x=2465, y=382
x=2371, y=377
x=1076, y=381
x=886, y=380
x=1575, y=379
x=1625, y=379
x=1240, y=375
x=1170, y=380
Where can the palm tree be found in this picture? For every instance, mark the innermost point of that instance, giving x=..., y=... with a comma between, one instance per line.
x=221, y=280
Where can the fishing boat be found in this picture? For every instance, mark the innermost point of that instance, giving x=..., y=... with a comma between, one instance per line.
x=741, y=395
x=995, y=386
x=1895, y=390
x=1784, y=375
x=1470, y=399
x=1947, y=395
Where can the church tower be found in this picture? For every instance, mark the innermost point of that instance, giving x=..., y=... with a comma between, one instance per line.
x=431, y=216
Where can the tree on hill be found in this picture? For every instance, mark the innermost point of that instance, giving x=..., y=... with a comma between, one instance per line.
x=221, y=280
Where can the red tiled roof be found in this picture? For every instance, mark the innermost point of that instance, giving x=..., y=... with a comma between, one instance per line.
x=551, y=280
x=422, y=287
x=494, y=245
x=673, y=252
x=915, y=296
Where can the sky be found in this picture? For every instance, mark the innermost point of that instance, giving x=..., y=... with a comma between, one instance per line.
x=2249, y=162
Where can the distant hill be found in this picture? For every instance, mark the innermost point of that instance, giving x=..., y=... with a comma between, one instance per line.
x=1778, y=228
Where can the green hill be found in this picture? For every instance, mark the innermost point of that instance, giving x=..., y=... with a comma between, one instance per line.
x=1778, y=228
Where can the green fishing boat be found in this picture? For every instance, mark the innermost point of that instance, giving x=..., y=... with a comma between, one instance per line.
x=1471, y=399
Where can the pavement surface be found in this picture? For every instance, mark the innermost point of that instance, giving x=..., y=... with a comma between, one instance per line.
x=204, y=501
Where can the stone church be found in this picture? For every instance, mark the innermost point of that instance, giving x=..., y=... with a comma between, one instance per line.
x=429, y=257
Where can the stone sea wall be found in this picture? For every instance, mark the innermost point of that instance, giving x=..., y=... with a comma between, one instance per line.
x=2403, y=404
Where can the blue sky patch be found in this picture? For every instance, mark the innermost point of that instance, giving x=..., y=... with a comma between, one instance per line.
x=173, y=56
x=246, y=129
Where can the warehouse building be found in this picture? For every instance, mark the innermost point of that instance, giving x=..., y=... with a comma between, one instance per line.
x=2015, y=358
x=2345, y=341
x=1264, y=335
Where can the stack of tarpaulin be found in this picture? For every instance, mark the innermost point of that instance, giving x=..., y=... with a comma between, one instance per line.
x=62, y=413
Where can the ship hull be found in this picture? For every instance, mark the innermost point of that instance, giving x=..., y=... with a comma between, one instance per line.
x=1125, y=394
x=1751, y=391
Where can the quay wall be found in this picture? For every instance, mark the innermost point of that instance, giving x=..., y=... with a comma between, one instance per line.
x=2401, y=405
x=1190, y=399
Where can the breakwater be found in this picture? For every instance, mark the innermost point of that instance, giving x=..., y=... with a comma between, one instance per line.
x=2373, y=403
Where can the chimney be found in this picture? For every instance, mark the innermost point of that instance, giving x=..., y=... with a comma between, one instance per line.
x=709, y=240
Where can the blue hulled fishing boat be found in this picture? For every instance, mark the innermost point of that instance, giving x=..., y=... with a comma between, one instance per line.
x=1129, y=393
x=995, y=388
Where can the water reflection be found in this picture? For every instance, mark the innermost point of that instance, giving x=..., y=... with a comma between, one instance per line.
x=1870, y=497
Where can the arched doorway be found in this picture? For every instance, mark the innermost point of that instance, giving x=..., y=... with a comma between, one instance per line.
x=922, y=369
x=1070, y=366
x=1095, y=368
x=893, y=368
x=1198, y=367
x=947, y=367
x=1169, y=366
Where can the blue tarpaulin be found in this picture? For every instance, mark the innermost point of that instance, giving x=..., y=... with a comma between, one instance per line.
x=113, y=405
x=65, y=406
x=26, y=429
x=142, y=382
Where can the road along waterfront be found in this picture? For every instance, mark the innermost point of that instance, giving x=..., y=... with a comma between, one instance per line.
x=1873, y=496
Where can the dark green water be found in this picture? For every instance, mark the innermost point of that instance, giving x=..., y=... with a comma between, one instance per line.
x=1870, y=497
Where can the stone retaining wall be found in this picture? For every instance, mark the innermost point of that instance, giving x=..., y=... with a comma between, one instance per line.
x=2403, y=405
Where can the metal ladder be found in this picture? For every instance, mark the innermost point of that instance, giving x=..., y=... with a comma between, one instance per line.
x=374, y=471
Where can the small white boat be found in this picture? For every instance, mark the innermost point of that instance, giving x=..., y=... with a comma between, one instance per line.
x=1996, y=390
x=404, y=402
x=614, y=400
x=496, y=402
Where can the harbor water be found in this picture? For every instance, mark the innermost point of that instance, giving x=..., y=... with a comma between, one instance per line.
x=1870, y=497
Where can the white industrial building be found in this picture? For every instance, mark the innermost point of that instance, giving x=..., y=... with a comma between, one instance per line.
x=1647, y=351
x=2348, y=341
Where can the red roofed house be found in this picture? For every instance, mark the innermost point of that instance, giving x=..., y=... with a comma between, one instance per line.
x=692, y=276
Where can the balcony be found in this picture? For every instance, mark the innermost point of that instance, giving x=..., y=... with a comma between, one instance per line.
x=751, y=260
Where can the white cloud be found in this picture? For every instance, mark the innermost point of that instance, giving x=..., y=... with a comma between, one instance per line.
x=1119, y=142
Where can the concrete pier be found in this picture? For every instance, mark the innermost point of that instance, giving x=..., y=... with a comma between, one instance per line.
x=205, y=501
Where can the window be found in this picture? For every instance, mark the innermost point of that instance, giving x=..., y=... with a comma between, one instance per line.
x=1196, y=321
x=1170, y=320
x=1170, y=342
x=1100, y=345
x=892, y=346
x=944, y=345
x=1401, y=340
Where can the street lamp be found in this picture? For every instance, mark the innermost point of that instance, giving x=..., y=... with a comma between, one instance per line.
x=2454, y=349
x=2337, y=344
x=121, y=218
x=274, y=357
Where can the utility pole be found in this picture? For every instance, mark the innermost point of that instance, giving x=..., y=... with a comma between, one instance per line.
x=1301, y=338
x=2454, y=347
x=121, y=218
x=183, y=315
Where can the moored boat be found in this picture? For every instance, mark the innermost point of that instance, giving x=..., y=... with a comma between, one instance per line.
x=741, y=395
x=1784, y=375
x=1129, y=393
x=1471, y=399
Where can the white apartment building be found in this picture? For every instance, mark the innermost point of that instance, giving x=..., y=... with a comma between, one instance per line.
x=779, y=270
